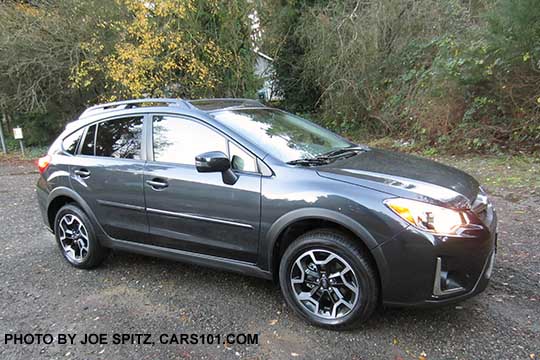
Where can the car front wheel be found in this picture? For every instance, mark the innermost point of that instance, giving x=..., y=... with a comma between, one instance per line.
x=328, y=279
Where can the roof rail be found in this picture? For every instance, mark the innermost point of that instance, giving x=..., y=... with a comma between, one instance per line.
x=127, y=104
x=224, y=103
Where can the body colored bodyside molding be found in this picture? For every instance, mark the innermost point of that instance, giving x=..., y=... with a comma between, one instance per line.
x=120, y=205
x=196, y=217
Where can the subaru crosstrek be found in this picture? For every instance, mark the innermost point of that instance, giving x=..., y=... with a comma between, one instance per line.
x=239, y=186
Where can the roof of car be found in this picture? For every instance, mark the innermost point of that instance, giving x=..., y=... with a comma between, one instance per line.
x=206, y=106
x=224, y=103
x=200, y=108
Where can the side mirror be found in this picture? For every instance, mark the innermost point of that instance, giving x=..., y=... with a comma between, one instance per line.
x=216, y=161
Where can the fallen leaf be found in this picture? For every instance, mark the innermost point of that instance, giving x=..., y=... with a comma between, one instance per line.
x=273, y=322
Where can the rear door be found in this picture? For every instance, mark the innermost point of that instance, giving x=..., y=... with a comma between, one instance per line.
x=108, y=173
x=198, y=212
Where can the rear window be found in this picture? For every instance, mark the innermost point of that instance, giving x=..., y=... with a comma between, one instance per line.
x=120, y=138
x=70, y=143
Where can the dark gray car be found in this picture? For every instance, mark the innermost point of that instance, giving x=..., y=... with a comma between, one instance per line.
x=236, y=185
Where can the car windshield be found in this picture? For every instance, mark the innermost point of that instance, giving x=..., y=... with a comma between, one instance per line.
x=285, y=136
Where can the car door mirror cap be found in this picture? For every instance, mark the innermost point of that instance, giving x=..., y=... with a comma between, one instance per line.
x=216, y=161
x=212, y=161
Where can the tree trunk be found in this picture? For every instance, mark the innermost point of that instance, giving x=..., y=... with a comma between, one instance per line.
x=8, y=124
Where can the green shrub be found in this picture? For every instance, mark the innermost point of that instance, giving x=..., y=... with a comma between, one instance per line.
x=452, y=75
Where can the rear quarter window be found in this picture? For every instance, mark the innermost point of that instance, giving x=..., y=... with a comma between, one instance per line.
x=69, y=144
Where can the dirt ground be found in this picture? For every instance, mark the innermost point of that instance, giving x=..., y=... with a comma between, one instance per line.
x=41, y=293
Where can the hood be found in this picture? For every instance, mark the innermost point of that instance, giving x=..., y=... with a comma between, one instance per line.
x=405, y=176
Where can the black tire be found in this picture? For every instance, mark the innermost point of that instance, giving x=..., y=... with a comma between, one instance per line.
x=354, y=254
x=95, y=253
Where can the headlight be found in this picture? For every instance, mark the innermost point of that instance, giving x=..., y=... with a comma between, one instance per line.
x=427, y=217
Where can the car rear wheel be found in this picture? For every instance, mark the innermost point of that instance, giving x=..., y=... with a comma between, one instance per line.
x=327, y=278
x=76, y=238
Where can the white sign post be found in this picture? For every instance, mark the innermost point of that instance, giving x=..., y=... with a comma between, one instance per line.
x=18, y=135
x=2, y=138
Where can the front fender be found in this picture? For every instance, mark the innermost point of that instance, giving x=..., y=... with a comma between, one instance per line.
x=291, y=217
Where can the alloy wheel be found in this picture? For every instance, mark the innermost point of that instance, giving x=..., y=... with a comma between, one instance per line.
x=73, y=238
x=324, y=284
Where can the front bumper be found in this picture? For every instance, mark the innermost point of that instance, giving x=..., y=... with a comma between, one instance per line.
x=429, y=270
x=480, y=286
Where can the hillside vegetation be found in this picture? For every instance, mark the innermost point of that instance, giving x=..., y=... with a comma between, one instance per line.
x=445, y=75
x=432, y=75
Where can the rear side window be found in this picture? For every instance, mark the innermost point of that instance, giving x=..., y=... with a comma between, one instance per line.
x=70, y=143
x=120, y=138
x=87, y=146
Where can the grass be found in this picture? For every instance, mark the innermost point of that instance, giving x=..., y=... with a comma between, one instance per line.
x=30, y=153
x=517, y=172
x=505, y=172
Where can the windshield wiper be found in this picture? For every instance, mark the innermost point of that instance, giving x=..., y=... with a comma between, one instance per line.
x=329, y=156
x=342, y=152
x=309, y=161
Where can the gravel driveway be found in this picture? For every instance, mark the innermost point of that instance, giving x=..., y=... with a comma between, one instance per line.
x=41, y=293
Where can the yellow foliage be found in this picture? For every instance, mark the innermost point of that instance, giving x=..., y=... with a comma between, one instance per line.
x=29, y=9
x=159, y=52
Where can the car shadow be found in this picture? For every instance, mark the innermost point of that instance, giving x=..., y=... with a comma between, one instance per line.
x=225, y=284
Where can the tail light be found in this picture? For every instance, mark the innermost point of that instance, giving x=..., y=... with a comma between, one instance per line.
x=43, y=163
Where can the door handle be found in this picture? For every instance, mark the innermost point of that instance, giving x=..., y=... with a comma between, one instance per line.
x=83, y=173
x=157, y=184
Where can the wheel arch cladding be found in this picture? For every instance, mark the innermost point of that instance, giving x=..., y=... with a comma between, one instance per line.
x=291, y=225
x=55, y=205
x=62, y=196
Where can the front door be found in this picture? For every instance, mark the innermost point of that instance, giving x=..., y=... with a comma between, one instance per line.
x=198, y=212
x=108, y=173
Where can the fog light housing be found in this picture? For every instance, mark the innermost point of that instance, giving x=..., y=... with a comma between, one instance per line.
x=443, y=283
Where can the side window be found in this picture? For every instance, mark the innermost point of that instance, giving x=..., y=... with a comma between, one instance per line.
x=240, y=159
x=87, y=146
x=120, y=138
x=70, y=142
x=179, y=140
